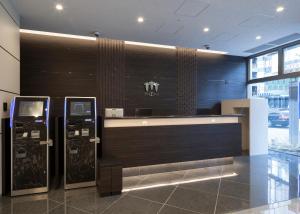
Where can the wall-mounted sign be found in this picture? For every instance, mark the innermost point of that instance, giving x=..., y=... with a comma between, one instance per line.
x=151, y=88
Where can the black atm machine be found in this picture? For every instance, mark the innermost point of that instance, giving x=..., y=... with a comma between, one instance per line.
x=80, y=142
x=29, y=122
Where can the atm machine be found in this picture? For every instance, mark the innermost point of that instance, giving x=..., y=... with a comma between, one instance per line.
x=80, y=142
x=29, y=122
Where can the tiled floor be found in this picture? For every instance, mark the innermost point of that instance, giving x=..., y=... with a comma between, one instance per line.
x=257, y=181
x=285, y=207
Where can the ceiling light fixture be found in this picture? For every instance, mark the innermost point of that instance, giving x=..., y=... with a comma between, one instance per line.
x=179, y=182
x=258, y=37
x=57, y=34
x=279, y=9
x=211, y=51
x=59, y=7
x=140, y=19
x=206, y=29
x=149, y=45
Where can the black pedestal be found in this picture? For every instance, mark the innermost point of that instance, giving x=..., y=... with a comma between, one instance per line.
x=109, y=177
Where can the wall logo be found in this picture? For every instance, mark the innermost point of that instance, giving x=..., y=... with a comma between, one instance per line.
x=151, y=88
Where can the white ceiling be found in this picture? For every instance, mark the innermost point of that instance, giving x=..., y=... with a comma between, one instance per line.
x=234, y=24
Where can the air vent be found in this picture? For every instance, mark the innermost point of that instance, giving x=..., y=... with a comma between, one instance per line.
x=170, y=28
x=191, y=8
x=273, y=44
x=286, y=39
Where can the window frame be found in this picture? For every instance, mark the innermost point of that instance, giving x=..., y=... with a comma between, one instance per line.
x=281, y=74
x=260, y=55
x=284, y=58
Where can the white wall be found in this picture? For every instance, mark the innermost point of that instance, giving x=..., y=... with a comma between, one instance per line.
x=9, y=60
x=255, y=113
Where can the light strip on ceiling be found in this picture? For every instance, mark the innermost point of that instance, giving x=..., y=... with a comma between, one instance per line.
x=57, y=34
x=211, y=51
x=149, y=45
x=178, y=182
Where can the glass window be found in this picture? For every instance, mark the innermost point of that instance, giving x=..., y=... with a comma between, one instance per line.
x=283, y=112
x=264, y=66
x=292, y=59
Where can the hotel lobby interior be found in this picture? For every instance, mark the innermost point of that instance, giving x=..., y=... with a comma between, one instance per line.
x=149, y=106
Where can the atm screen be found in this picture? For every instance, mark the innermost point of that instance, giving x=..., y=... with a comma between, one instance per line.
x=80, y=109
x=31, y=108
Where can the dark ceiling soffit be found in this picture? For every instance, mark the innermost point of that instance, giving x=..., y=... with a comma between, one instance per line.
x=275, y=49
x=275, y=43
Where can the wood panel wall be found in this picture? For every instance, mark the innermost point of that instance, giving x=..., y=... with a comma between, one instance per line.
x=219, y=77
x=57, y=67
x=186, y=81
x=144, y=64
x=110, y=74
x=115, y=73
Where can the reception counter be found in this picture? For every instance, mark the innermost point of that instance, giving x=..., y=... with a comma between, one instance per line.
x=142, y=141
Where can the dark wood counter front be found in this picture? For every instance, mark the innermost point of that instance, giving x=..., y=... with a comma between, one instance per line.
x=159, y=140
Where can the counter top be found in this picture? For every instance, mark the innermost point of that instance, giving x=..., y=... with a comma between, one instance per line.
x=170, y=120
x=172, y=116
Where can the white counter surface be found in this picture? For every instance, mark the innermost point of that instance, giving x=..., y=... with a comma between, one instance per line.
x=168, y=121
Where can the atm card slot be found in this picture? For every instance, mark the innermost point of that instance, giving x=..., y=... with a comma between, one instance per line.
x=19, y=125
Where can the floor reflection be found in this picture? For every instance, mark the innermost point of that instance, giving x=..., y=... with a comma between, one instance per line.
x=283, y=177
x=257, y=181
x=34, y=204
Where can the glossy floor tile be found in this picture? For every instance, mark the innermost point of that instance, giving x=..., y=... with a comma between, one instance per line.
x=210, y=186
x=285, y=207
x=159, y=195
x=196, y=201
x=129, y=204
x=175, y=210
x=260, y=184
x=88, y=200
x=227, y=204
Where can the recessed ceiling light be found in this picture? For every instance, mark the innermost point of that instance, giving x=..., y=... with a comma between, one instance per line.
x=258, y=37
x=59, y=7
x=57, y=34
x=206, y=29
x=149, y=45
x=140, y=19
x=279, y=9
x=211, y=51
